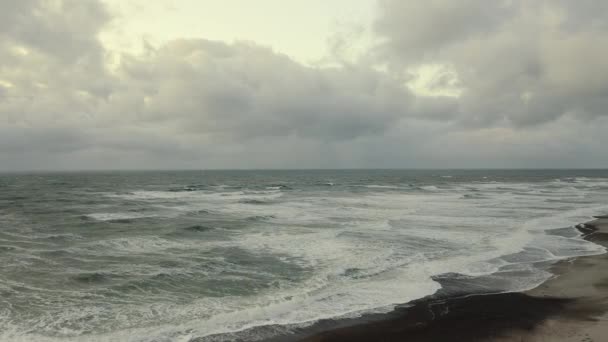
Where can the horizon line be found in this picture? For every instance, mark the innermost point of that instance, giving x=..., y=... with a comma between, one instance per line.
x=306, y=169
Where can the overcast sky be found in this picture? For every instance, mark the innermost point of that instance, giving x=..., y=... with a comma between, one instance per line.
x=138, y=84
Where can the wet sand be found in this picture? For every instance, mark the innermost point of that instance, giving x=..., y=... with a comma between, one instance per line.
x=571, y=306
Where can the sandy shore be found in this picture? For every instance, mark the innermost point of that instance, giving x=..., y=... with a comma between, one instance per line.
x=583, y=280
x=572, y=306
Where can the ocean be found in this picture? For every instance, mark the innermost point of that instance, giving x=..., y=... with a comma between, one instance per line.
x=224, y=255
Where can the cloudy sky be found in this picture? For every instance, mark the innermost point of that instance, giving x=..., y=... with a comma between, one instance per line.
x=174, y=84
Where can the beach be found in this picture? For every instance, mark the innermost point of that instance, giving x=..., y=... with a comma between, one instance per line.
x=571, y=306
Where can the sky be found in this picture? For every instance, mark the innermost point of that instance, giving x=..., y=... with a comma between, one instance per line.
x=299, y=28
x=187, y=84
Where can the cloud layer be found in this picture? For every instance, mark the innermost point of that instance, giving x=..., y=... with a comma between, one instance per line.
x=531, y=80
x=518, y=62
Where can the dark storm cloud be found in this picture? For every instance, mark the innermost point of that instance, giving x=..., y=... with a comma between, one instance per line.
x=416, y=29
x=529, y=73
x=47, y=140
x=63, y=30
x=188, y=97
x=520, y=62
x=243, y=91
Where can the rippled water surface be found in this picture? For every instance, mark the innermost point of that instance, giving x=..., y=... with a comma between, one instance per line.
x=196, y=255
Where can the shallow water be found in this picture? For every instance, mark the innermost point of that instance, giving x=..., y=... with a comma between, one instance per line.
x=176, y=256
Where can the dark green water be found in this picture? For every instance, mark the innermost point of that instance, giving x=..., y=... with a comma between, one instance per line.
x=178, y=256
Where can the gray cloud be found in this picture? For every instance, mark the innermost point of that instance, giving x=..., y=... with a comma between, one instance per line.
x=245, y=91
x=531, y=73
x=416, y=29
x=65, y=30
x=520, y=62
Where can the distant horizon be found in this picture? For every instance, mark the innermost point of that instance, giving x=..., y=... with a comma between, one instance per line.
x=311, y=169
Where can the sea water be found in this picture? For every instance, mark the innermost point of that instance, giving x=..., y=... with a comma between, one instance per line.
x=218, y=255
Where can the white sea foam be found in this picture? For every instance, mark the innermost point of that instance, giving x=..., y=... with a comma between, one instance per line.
x=376, y=186
x=356, y=253
x=135, y=245
x=119, y=216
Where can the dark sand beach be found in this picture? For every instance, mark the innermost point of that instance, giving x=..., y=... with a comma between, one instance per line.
x=571, y=306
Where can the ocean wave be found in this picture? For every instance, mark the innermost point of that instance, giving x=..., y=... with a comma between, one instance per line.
x=254, y=201
x=132, y=245
x=92, y=277
x=198, y=228
x=279, y=187
x=225, y=260
x=388, y=187
x=120, y=216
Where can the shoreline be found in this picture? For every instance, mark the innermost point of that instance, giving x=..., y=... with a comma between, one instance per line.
x=569, y=306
